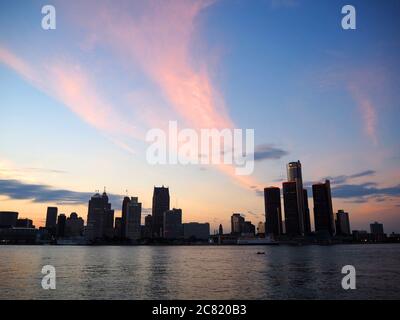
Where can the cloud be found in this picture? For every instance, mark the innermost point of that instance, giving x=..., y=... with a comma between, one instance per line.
x=344, y=178
x=40, y=193
x=364, y=190
x=266, y=151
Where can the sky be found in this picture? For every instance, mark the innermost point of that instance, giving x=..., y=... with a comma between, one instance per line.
x=76, y=102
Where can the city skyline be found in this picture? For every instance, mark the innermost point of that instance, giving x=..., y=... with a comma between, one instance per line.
x=77, y=101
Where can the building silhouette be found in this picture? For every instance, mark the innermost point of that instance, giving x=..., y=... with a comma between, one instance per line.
x=148, y=226
x=160, y=205
x=342, y=223
x=172, y=224
x=25, y=223
x=292, y=216
x=124, y=211
x=273, y=211
x=61, y=222
x=51, y=217
x=133, y=218
x=237, y=222
x=220, y=230
x=323, y=211
x=100, y=219
x=8, y=219
x=376, y=228
x=74, y=225
x=294, y=174
x=196, y=231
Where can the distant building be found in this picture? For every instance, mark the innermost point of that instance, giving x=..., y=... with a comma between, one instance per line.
x=248, y=229
x=8, y=219
x=323, y=211
x=292, y=215
x=360, y=235
x=51, y=217
x=342, y=223
x=74, y=226
x=124, y=211
x=376, y=228
x=294, y=174
x=133, y=217
x=25, y=223
x=100, y=220
x=147, y=228
x=172, y=225
x=197, y=231
x=118, y=227
x=237, y=222
x=220, y=230
x=273, y=211
x=61, y=223
x=160, y=206
x=261, y=228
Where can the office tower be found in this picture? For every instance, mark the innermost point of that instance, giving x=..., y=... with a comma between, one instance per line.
x=273, y=211
x=307, y=221
x=74, y=225
x=133, y=219
x=261, y=228
x=248, y=229
x=160, y=205
x=25, y=223
x=323, y=211
x=196, y=231
x=8, y=219
x=61, y=222
x=376, y=228
x=342, y=223
x=125, y=203
x=100, y=219
x=292, y=221
x=117, y=227
x=172, y=224
x=220, y=230
x=237, y=222
x=51, y=217
x=148, y=226
x=294, y=174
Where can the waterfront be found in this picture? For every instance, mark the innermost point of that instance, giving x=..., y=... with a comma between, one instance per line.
x=200, y=272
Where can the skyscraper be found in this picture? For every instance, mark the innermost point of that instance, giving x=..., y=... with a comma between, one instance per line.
x=124, y=211
x=8, y=219
x=172, y=224
x=61, y=221
x=100, y=220
x=237, y=222
x=290, y=203
x=376, y=228
x=74, y=225
x=133, y=219
x=273, y=211
x=160, y=205
x=342, y=223
x=294, y=174
x=323, y=211
x=51, y=217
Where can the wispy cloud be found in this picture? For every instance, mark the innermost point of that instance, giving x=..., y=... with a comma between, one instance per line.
x=267, y=151
x=41, y=193
x=364, y=190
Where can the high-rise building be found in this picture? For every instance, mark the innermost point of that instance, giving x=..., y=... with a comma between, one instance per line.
x=74, y=225
x=342, y=223
x=290, y=204
x=160, y=205
x=124, y=211
x=100, y=220
x=61, y=222
x=8, y=219
x=261, y=228
x=220, y=230
x=196, y=230
x=148, y=226
x=248, y=229
x=237, y=222
x=307, y=221
x=117, y=227
x=376, y=228
x=323, y=210
x=133, y=219
x=172, y=224
x=294, y=174
x=51, y=217
x=273, y=211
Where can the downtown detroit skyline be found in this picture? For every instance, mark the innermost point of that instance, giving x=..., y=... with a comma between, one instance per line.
x=76, y=102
